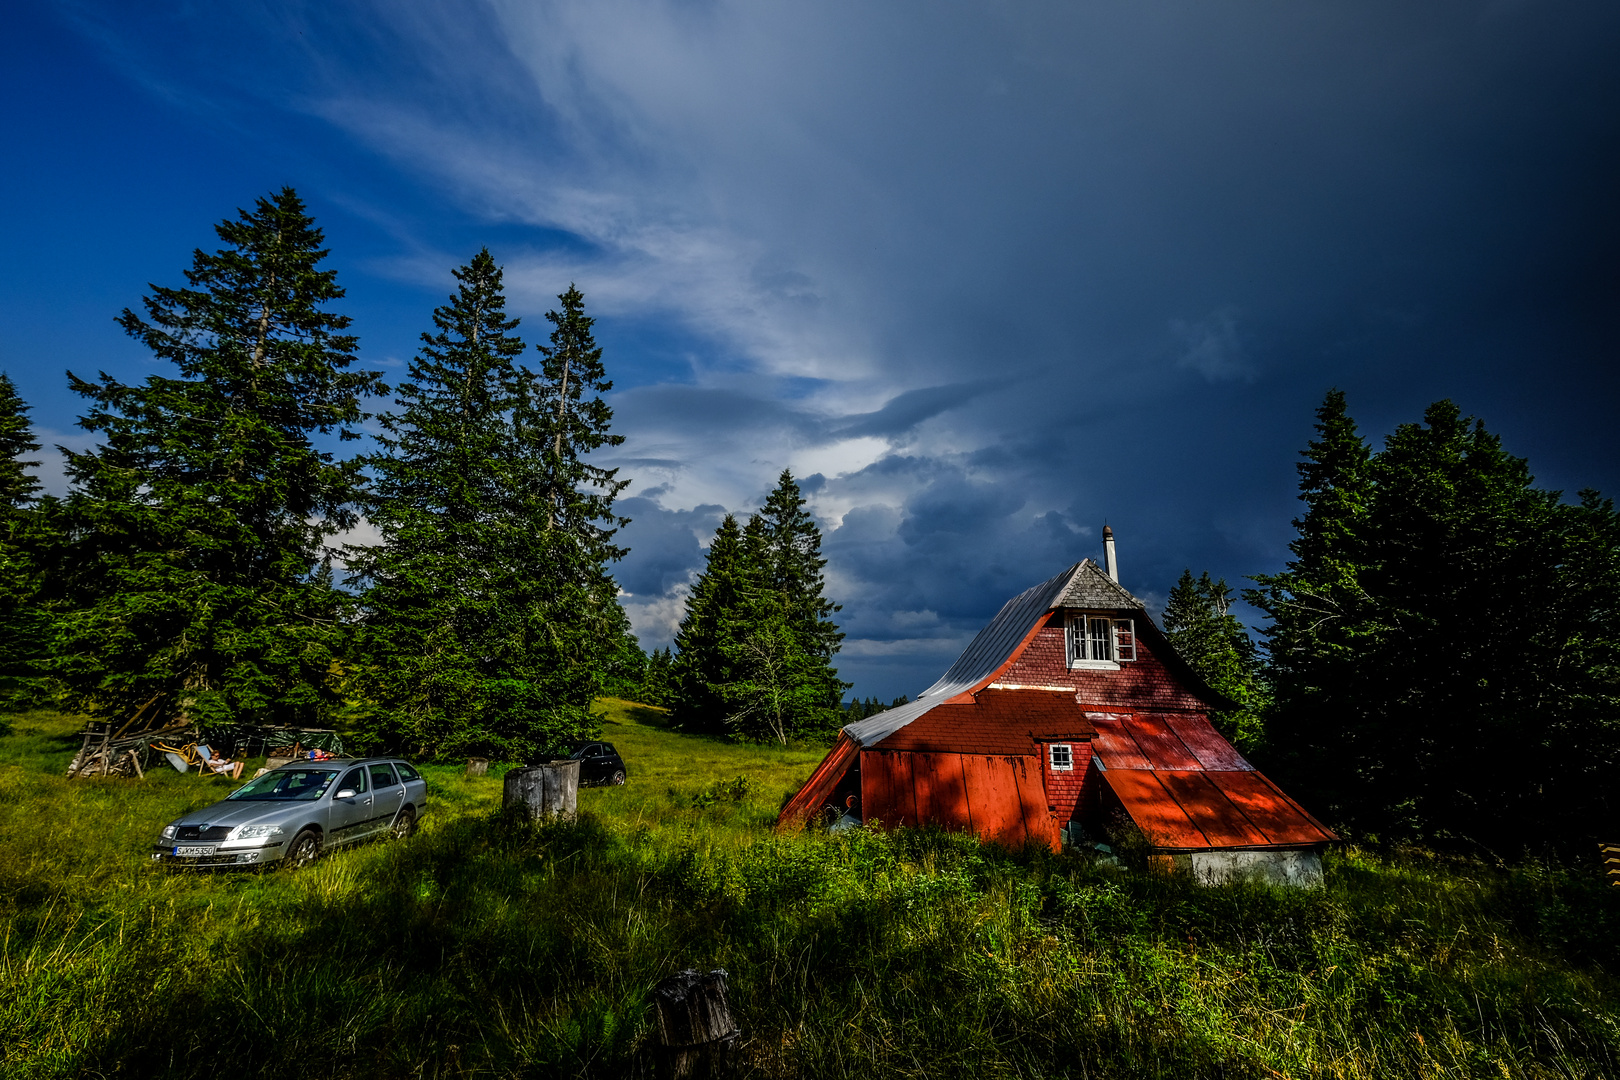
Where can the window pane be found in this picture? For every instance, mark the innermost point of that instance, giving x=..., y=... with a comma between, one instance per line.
x=1101, y=639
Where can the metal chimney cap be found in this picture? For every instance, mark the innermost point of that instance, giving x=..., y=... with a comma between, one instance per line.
x=1108, y=533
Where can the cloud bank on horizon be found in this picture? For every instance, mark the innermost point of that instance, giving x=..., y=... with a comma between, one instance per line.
x=984, y=276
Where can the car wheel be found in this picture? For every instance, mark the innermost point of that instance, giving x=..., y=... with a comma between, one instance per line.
x=618, y=778
x=405, y=824
x=304, y=849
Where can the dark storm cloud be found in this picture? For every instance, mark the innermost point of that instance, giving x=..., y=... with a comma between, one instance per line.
x=999, y=273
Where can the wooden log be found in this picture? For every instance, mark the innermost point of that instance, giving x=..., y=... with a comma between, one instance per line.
x=696, y=1033
x=542, y=790
x=135, y=760
x=478, y=766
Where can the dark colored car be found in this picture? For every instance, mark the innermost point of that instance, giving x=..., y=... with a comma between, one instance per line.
x=599, y=763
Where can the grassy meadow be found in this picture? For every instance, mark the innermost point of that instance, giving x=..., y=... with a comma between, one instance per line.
x=483, y=948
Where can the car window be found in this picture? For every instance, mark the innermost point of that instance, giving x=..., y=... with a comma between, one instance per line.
x=355, y=781
x=588, y=750
x=382, y=776
x=287, y=784
x=406, y=772
x=607, y=748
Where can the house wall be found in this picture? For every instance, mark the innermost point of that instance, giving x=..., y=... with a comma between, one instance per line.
x=1064, y=789
x=1142, y=683
x=1001, y=798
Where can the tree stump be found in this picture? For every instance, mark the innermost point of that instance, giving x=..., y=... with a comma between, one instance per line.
x=542, y=790
x=478, y=766
x=696, y=1033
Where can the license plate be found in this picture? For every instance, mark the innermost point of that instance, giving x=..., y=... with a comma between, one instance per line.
x=193, y=851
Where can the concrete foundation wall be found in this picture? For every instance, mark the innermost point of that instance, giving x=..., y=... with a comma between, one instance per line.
x=1301, y=869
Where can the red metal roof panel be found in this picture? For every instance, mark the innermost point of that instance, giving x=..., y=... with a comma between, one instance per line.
x=1155, y=812
x=819, y=788
x=1159, y=743
x=1269, y=810
x=1207, y=745
x=1114, y=747
x=1209, y=809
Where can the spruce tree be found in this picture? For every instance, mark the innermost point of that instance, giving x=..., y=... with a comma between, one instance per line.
x=757, y=643
x=1322, y=620
x=198, y=526
x=476, y=639
x=701, y=661
x=1200, y=625
x=1443, y=645
x=23, y=621
x=436, y=630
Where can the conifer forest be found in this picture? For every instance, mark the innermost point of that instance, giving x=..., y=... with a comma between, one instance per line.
x=1438, y=607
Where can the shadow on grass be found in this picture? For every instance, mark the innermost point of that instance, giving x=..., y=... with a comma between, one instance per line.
x=490, y=947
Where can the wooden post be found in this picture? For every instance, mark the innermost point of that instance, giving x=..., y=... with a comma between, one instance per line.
x=478, y=766
x=696, y=1033
x=543, y=790
x=135, y=759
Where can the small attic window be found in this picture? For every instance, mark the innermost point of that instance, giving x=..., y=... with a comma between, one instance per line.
x=1100, y=641
x=1062, y=757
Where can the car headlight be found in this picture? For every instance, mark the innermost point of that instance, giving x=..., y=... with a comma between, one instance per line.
x=168, y=832
x=249, y=832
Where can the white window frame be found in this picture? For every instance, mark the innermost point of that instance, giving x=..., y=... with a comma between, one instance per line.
x=1084, y=631
x=1052, y=757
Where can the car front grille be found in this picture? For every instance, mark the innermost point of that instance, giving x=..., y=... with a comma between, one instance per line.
x=195, y=832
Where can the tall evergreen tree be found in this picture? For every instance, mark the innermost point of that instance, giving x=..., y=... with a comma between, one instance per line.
x=791, y=564
x=18, y=487
x=1445, y=669
x=199, y=524
x=24, y=624
x=757, y=643
x=1199, y=622
x=701, y=663
x=1322, y=621
x=475, y=641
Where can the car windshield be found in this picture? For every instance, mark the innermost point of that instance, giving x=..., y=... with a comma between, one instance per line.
x=286, y=785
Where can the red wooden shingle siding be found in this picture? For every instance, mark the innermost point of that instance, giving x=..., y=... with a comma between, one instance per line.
x=999, y=797
x=1142, y=683
x=1064, y=789
x=994, y=722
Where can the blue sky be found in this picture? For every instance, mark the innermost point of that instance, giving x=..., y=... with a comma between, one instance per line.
x=985, y=275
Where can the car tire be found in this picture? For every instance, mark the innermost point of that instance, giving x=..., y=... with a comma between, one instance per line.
x=304, y=849
x=618, y=778
x=404, y=824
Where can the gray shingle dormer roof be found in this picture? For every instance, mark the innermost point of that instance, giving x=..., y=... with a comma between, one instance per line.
x=1090, y=587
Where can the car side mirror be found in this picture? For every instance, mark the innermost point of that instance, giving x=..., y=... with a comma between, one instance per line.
x=346, y=793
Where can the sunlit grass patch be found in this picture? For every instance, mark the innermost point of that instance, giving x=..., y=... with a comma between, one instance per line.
x=487, y=947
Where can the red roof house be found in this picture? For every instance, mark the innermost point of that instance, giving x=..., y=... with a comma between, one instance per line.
x=1069, y=714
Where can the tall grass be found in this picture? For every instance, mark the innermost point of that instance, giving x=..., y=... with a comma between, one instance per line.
x=489, y=948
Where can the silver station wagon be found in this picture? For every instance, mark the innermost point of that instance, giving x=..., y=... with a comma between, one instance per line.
x=291, y=814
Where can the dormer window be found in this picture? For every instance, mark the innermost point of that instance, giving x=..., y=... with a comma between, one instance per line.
x=1100, y=641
